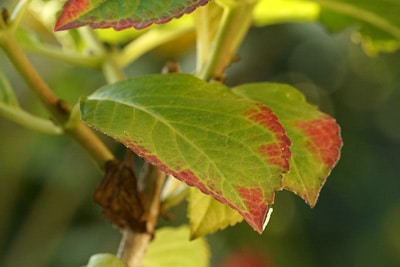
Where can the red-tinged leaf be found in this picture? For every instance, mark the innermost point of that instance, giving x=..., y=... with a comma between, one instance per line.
x=231, y=148
x=122, y=14
x=315, y=136
x=276, y=153
x=323, y=138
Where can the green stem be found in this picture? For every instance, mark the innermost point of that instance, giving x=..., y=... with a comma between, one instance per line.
x=18, y=13
x=31, y=76
x=134, y=244
x=147, y=42
x=28, y=120
x=92, y=41
x=112, y=72
x=234, y=25
x=60, y=110
x=206, y=21
x=92, y=61
x=111, y=69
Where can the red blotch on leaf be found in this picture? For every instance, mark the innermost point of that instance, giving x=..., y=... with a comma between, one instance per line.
x=184, y=175
x=255, y=208
x=324, y=139
x=277, y=153
x=255, y=201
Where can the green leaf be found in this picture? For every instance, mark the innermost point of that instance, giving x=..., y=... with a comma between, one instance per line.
x=206, y=215
x=315, y=136
x=105, y=260
x=171, y=247
x=122, y=14
x=377, y=22
x=231, y=148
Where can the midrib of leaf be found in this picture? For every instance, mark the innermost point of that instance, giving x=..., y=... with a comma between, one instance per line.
x=169, y=123
x=362, y=15
x=178, y=133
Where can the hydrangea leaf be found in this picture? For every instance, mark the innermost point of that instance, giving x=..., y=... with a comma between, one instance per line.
x=315, y=136
x=206, y=215
x=377, y=23
x=122, y=14
x=229, y=147
x=171, y=247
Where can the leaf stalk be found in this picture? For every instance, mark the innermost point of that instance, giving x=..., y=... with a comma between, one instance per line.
x=234, y=24
x=26, y=119
x=148, y=41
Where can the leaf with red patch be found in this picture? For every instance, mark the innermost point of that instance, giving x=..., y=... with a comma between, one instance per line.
x=315, y=136
x=122, y=14
x=231, y=148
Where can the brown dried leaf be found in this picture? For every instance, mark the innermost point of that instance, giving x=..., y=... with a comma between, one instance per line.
x=119, y=196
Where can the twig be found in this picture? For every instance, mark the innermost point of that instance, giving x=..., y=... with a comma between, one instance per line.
x=60, y=110
x=134, y=244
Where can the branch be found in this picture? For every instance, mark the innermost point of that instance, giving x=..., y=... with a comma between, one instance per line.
x=28, y=120
x=149, y=41
x=134, y=243
x=60, y=110
x=134, y=209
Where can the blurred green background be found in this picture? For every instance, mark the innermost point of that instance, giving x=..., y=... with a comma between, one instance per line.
x=48, y=218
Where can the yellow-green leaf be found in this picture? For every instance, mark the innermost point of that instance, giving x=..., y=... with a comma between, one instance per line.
x=171, y=247
x=206, y=215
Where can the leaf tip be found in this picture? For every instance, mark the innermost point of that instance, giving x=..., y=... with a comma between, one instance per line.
x=258, y=212
x=70, y=11
x=324, y=142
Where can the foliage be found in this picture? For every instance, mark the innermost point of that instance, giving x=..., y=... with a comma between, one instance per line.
x=237, y=145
